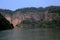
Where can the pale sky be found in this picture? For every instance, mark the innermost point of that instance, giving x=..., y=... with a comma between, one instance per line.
x=15, y=4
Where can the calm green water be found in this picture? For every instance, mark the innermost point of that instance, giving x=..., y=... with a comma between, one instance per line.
x=30, y=34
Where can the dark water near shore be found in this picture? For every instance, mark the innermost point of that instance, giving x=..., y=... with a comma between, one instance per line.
x=30, y=34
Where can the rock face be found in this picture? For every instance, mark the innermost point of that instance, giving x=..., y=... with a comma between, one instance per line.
x=17, y=16
x=5, y=24
x=27, y=23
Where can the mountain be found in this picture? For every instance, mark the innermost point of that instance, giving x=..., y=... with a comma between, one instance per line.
x=19, y=15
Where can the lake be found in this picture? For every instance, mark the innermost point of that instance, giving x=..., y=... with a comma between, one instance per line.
x=30, y=34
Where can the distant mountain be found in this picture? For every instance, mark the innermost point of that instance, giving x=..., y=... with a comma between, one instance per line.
x=17, y=16
x=5, y=24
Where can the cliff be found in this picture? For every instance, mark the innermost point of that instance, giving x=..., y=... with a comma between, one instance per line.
x=17, y=16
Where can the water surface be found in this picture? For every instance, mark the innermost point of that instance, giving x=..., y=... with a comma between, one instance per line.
x=30, y=34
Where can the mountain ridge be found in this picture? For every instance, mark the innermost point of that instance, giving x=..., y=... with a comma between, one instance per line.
x=18, y=15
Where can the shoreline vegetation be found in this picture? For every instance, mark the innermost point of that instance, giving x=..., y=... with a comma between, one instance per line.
x=32, y=17
x=4, y=24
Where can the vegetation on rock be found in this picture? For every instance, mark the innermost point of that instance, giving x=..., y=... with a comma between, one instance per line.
x=4, y=24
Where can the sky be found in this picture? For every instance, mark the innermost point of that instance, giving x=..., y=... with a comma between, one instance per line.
x=15, y=4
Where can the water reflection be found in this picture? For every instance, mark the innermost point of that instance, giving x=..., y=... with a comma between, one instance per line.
x=30, y=34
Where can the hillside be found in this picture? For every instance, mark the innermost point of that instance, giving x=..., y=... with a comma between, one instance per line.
x=5, y=24
x=19, y=15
